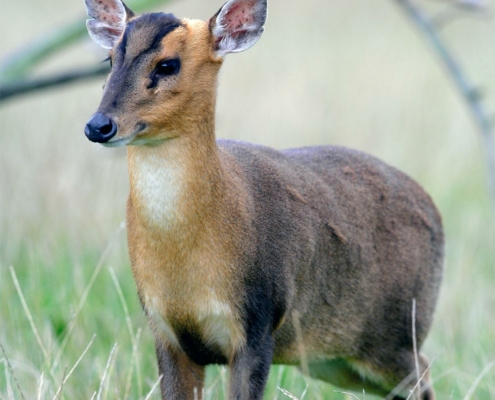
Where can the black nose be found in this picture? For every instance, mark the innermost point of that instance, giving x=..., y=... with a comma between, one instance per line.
x=100, y=128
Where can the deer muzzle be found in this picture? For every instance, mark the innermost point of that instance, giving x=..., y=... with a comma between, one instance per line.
x=100, y=128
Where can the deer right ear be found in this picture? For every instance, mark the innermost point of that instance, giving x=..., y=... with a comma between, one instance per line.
x=109, y=20
x=238, y=25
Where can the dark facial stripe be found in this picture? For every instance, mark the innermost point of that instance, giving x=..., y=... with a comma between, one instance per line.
x=154, y=27
x=168, y=24
x=123, y=44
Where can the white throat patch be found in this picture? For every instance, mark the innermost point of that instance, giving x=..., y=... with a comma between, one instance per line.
x=157, y=184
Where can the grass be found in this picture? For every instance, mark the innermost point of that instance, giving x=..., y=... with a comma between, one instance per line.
x=322, y=74
x=77, y=302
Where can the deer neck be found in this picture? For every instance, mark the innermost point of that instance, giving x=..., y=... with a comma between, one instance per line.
x=177, y=185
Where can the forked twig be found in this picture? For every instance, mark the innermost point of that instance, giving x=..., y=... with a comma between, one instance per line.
x=466, y=88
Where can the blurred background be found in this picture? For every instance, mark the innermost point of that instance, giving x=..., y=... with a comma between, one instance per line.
x=354, y=73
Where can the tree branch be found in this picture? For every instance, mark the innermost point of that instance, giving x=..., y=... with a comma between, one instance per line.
x=20, y=87
x=19, y=64
x=466, y=88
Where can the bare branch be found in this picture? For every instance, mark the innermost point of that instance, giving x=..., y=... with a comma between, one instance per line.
x=18, y=88
x=18, y=65
x=466, y=88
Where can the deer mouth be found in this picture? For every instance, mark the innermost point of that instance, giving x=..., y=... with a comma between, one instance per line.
x=127, y=140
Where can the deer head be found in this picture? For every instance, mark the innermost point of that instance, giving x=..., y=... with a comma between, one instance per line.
x=164, y=69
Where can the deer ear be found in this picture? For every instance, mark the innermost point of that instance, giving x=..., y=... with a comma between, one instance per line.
x=238, y=25
x=109, y=20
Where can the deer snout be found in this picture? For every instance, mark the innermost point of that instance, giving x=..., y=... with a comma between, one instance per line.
x=100, y=128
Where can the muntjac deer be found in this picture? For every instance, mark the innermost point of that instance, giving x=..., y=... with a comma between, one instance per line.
x=248, y=256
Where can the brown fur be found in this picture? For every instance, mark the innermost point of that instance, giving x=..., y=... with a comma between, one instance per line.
x=229, y=241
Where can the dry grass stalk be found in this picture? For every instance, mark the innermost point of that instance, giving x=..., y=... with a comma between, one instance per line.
x=134, y=339
x=80, y=306
x=107, y=367
x=59, y=391
x=12, y=371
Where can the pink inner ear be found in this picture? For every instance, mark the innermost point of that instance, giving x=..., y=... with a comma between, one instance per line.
x=109, y=11
x=239, y=15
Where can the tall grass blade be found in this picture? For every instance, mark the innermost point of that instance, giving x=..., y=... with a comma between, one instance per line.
x=478, y=379
x=29, y=316
x=74, y=367
x=40, y=388
x=287, y=393
x=82, y=301
x=12, y=371
x=134, y=339
x=419, y=380
x=154, y=388
x=105, y=372
x=348, y=394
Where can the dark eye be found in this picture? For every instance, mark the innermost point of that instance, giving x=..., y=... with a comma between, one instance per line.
x=167, y=68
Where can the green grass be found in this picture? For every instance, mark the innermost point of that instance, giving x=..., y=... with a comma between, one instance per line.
x=324, y=73
x=91, y=299
x=96, y=307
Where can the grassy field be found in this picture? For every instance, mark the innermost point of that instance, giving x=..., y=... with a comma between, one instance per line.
x=352, y=73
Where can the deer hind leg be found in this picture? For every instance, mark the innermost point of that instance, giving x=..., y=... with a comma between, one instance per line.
x=392, y=382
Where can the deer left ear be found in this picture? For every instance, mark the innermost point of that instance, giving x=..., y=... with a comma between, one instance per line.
x=109, y=20
x=238, y=25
